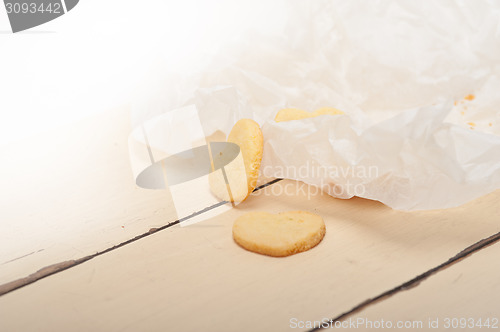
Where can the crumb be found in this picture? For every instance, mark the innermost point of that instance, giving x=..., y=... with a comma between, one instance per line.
x=462, y=113
x=470, y=97
x=490, y=124
x=472, y=124
x=455, y=103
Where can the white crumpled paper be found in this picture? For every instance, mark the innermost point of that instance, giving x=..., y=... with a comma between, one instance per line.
x=419, y=83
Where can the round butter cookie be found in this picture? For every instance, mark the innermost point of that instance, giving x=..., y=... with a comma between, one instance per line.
x=240, y=176
x=278, y=235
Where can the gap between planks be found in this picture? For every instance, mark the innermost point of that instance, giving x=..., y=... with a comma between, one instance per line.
x=493, y=239
x=59, y=267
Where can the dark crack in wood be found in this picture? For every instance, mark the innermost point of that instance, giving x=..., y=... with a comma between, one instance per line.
x=59, y=267
x=418, y=279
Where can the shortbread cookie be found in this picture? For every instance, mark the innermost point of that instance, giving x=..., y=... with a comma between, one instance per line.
x=242, y=173
x=327, y=111
x=288, y=114
x=282, y=234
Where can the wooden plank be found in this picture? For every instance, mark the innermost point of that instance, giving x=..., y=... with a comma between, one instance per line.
x=69, y=193
x=465, y=294
x=196, y=278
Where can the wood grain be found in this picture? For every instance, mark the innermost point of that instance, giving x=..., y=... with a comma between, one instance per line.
x=69, y=193
x=196, y=278
x=467, y=290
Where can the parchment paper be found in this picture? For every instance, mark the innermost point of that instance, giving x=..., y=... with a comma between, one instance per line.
x=419, y=83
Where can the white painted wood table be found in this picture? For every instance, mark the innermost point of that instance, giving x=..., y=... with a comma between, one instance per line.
x=109, y=259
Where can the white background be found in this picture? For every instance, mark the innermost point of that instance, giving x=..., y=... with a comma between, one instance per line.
x=94, y=57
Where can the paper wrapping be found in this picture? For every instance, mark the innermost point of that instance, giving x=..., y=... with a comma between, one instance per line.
x=418, y=82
